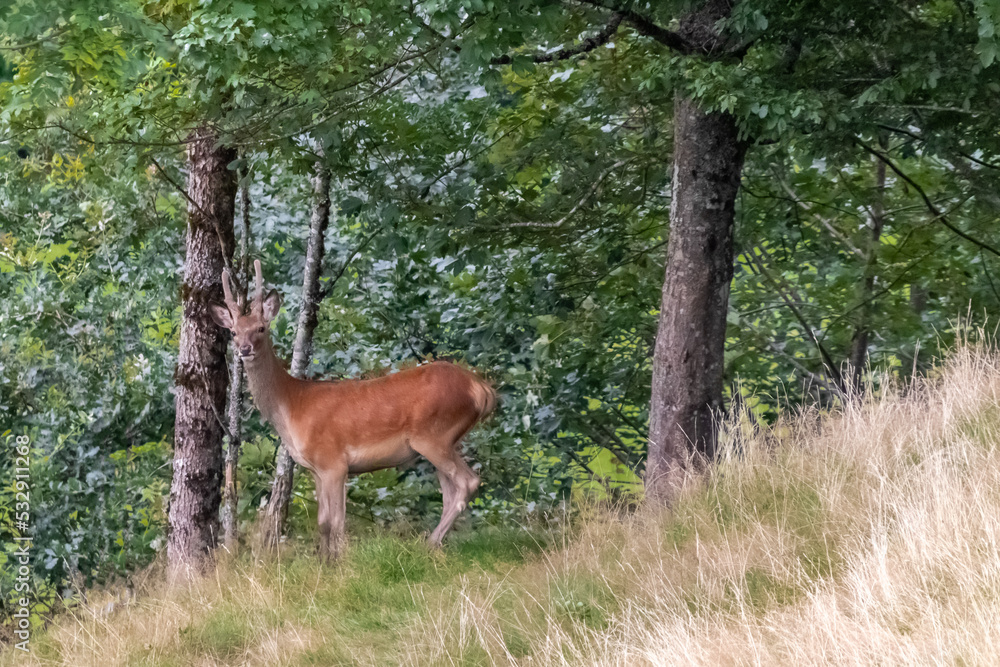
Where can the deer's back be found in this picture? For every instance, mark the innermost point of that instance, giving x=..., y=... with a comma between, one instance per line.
x=382, y=415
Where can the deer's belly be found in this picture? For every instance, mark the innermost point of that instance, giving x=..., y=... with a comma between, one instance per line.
x=375, y=456
x=293, y=444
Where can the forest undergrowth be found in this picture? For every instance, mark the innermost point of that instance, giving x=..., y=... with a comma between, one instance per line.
x=866, y=536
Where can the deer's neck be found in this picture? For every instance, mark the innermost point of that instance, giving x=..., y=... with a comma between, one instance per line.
x=271, y=386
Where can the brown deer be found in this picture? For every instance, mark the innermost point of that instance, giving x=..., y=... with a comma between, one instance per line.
x=346, y=427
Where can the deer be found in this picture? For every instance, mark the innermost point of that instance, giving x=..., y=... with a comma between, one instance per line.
x=338, y=428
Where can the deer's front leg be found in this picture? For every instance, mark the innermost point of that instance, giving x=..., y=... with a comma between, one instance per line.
x=331, y=490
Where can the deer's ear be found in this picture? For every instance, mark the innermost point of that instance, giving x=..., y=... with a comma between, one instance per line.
x=221, y=315
x=272, y=304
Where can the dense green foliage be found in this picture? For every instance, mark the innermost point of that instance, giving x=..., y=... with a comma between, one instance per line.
x=511, y=215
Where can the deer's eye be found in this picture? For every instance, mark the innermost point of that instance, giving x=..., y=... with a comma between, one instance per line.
x=261, y=330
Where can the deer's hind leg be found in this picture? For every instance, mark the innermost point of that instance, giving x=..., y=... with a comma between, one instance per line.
x=447, y=505
x=458, y=484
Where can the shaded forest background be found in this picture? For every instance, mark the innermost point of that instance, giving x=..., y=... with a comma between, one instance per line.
x=501, y=178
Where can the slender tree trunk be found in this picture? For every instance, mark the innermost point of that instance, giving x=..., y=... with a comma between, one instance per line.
x=272, y=523
x=690, y=340
x=201, y=379
x=866, y=288
x=918, y=298
x=230, y=495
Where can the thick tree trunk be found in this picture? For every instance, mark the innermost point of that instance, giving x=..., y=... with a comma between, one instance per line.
x=272, y=521
x=866, y=288
x=201, y=377
x=230, y=495
x=690, y=340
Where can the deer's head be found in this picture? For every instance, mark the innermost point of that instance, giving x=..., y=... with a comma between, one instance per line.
x=250, y=330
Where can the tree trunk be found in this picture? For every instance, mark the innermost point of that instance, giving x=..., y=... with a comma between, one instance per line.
x=272, y=523
x=230, y=495
x=866, y=288
x=201, y=378
x=690, y=340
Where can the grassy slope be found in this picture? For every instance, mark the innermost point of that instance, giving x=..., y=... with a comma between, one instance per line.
x=869, y=537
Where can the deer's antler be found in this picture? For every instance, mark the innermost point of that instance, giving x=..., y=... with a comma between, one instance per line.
x=231, y=303
x=259, y=299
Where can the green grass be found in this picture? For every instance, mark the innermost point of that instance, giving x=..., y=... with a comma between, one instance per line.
x=222, y=636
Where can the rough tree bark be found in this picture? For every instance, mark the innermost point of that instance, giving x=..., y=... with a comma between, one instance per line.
x=272, y=520
x=866, y=288
x=230, y=495
x=201, y=379
x=690, y=339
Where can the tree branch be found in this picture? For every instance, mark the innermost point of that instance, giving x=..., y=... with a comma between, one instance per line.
x=914, y=135
x=576, y=207
x=811, y=376
x=176, y=186
x=823, y=221
x=888, y=288
x=645, y=26
x=36, y=42
x=939, y=215
x=215, y=222
x=347, y=262
x=613, y=444
x=827, y=359
x=989, y=278
x=587, y=45
x=583, y=464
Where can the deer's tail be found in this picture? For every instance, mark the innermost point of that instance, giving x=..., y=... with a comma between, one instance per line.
x=485, y=397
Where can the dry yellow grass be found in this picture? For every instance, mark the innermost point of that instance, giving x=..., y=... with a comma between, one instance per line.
x=866, y=537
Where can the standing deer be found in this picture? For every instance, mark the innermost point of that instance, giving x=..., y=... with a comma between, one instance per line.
x=340, y=428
